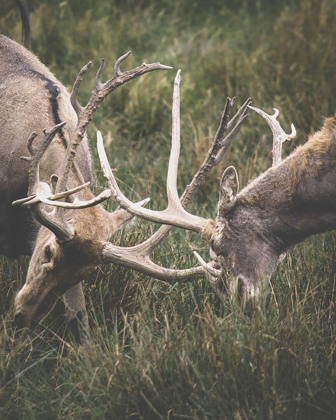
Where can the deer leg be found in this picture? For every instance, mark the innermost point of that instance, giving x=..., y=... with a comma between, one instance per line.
x=75, y=313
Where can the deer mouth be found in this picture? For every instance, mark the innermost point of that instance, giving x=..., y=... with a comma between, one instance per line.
x=29, y=319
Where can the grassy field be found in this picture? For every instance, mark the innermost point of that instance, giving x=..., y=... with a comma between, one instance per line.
x=163, y=351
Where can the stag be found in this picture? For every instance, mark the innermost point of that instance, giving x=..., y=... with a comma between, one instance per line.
x=294, y=199
x=61, y=224
x=58, y=231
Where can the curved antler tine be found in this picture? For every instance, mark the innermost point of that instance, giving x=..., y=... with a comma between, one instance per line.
x=117, y=71
x=69, y=192
x=98, y=82
x=292, y=135
x=22, y=201
x=51, y=200
x=279, y=136
x=207, y=267
x=75, y=89
x=172, y=195
x=30, y=141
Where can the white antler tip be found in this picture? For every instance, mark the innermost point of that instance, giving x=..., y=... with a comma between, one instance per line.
x=99, y=137
x=143, y=202
x=276, y=113
x=178, y=77
x=207, y=267
x=293, y=133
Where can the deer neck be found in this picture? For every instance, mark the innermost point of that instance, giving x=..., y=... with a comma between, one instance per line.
x=297, y=198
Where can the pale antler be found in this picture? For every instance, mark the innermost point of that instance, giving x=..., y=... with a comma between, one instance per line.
x=138, y=257
x=174, y=214
x=279, y=136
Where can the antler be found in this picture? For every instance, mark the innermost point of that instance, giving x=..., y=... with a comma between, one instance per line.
x=101, y=91
x=40, y=192
x=279, y=136
x=138, y=257
x=174, y=214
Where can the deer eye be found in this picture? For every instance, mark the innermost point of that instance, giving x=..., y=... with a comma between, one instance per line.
x=48, y=253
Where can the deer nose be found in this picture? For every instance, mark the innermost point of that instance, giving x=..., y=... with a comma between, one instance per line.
x=19, y=320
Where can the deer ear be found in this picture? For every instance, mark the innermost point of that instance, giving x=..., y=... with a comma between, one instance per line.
x=119, y=219
x=229, y=187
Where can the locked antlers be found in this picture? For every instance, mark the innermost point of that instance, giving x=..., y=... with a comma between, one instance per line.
x=175, y=214
x=138, y=257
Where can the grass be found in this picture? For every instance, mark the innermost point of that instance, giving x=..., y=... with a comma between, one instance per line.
x=164, y=351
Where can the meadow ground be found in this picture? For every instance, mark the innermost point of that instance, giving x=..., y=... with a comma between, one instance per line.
x=162, y=351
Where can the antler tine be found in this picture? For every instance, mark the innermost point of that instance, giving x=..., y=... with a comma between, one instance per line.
x=207, y=266
x=37, y=153
x=137, y=258
x=52, y=200
x=117, y=71
x=33, y=199
x=75, y=89
x=279, y=136
x=98, y=82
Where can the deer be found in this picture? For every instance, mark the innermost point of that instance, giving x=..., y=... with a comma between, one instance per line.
x=254, y=227
x=48, y=208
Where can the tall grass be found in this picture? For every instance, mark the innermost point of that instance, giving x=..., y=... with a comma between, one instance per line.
x=164, y=351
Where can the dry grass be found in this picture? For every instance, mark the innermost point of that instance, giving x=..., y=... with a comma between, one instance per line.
x=176, y=352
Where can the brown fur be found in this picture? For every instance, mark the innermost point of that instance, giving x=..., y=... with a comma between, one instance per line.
x=314, y=155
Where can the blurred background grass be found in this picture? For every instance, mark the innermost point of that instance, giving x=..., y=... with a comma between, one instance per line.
x=175, y=351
